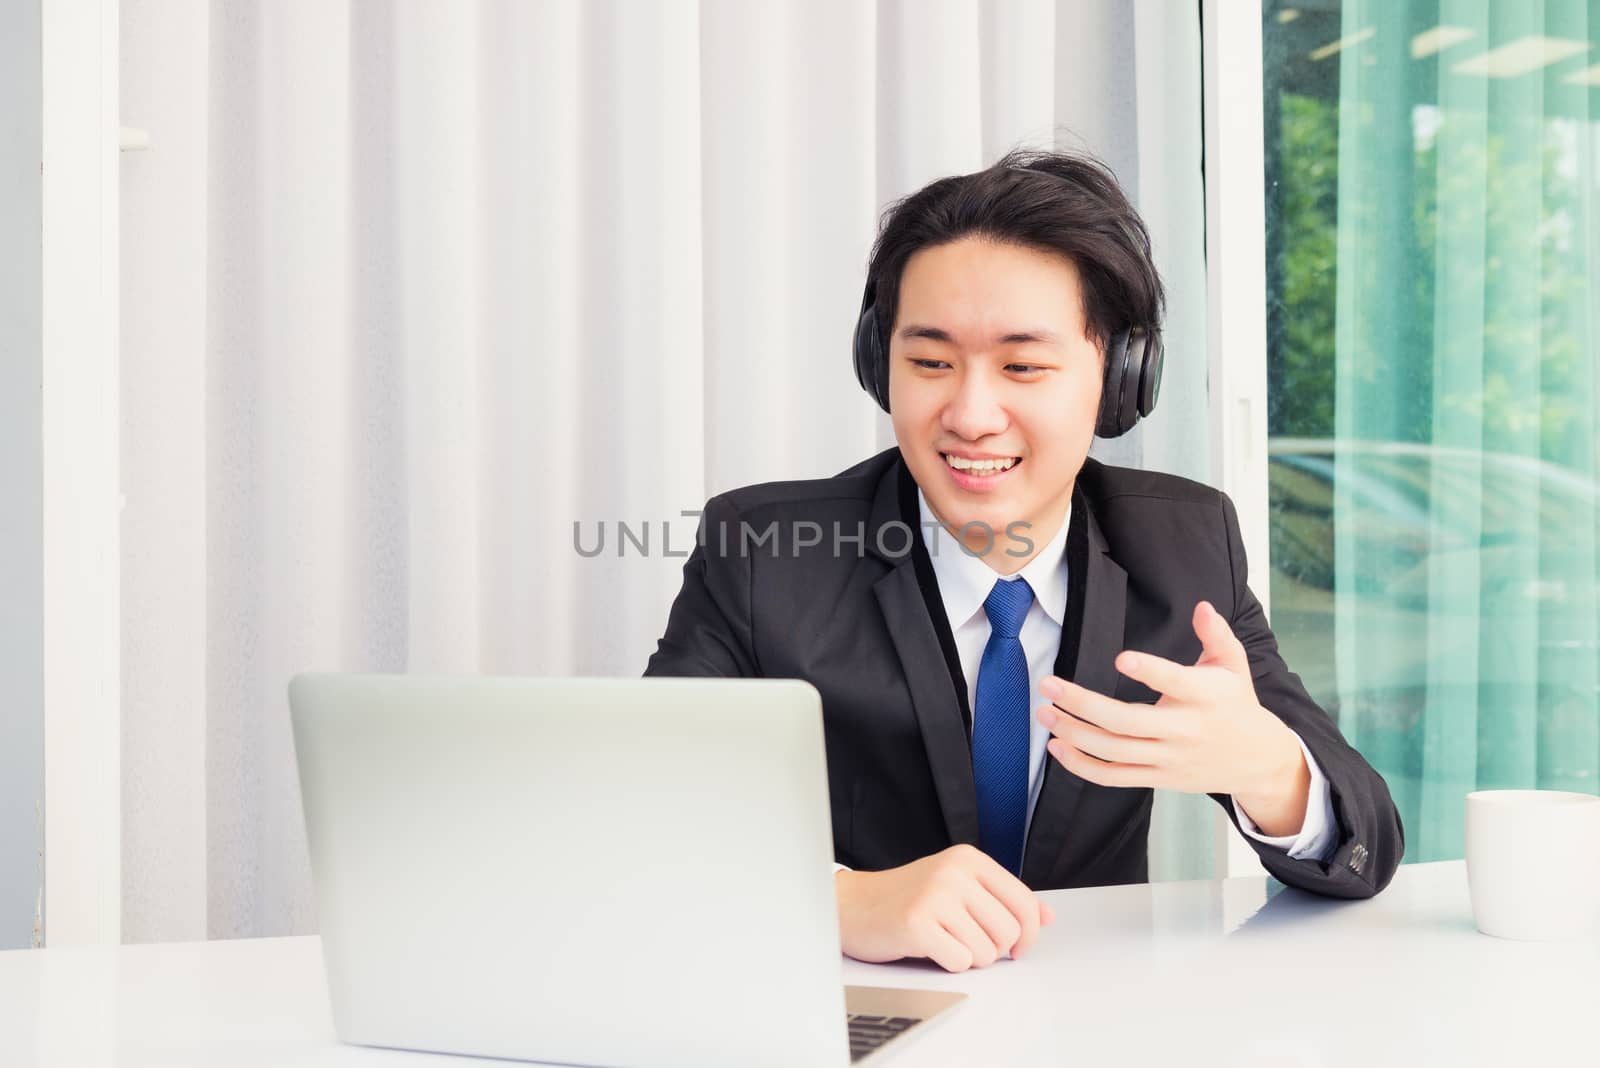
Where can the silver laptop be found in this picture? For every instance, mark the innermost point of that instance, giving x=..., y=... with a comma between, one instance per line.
x=584, y=871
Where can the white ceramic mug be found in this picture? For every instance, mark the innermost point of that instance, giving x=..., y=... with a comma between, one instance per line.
x=1533, y=863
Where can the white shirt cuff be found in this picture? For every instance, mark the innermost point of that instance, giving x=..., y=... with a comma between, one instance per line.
x=1316, y=833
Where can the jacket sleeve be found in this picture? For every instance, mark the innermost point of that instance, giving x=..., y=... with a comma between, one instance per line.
x=1368, y=839
x=709, y=628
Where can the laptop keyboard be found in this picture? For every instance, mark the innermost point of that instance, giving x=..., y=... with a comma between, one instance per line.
x=867, y=1033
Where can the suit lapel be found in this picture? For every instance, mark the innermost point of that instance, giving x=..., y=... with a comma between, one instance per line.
x=944, y=736
x=1097, y=601
x=922, y=661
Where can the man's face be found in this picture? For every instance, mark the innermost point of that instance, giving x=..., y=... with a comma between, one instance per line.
x=988, y=361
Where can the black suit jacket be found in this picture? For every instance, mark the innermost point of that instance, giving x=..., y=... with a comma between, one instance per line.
x=829, y=581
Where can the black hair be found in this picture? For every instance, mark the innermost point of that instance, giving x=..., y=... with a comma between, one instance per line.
x=1053, y=202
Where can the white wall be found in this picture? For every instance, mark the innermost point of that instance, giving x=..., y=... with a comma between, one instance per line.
x=21, y=479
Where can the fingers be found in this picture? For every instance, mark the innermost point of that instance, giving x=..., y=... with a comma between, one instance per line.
x=1118, y=717
x=1097, y=742
x=1019, y=903
x=1013, y=895
x=1219, y=645
x=1095, y=771
x=946, y=950
x=1120, y=734
x=959, y=922
x=1182, y=682
x=994, y=916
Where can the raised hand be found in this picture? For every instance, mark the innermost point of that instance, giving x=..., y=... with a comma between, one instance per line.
x=1207, y=733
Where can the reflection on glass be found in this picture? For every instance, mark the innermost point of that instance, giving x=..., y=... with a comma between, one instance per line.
x=1432, y=245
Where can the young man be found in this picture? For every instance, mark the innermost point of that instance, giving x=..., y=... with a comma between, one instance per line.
x=1015, y=644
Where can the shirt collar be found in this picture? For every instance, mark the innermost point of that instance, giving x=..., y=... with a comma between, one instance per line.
x=965, y=580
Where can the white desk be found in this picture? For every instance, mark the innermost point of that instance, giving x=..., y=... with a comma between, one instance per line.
x=1174, y=973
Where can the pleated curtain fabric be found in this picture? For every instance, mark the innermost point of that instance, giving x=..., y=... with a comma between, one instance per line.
x=420, y=299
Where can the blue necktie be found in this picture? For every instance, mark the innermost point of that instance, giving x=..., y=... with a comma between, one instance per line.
x=1000, y=726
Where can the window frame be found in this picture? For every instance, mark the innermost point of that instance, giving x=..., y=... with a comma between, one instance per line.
x=1236, y=301
x=81, y=445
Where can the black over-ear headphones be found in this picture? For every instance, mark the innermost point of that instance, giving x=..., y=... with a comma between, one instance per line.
x=1133, y=361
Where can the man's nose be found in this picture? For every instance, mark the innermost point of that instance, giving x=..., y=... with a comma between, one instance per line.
x=975, y=411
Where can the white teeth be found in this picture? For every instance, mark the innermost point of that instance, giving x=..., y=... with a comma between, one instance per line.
x=982, y=467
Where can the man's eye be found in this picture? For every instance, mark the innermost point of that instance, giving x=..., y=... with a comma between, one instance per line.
x=1023, y=368
x=931, y=365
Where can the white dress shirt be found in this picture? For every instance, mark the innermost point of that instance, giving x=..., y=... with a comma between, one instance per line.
x=964, y=584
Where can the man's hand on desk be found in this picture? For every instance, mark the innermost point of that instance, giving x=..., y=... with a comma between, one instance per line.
x=1207, y=733
x=957, y=907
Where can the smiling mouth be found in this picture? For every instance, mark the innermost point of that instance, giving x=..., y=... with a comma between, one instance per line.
x=980, y=468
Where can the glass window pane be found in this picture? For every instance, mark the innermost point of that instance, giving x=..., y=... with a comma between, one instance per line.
x=1432, y=243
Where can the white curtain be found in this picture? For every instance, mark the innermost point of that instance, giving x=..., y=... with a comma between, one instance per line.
x=411, y=289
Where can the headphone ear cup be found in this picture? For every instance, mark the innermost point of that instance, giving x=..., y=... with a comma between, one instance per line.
x=1150, y=372
x=1132, y=370
x=1109, y=421
x=871, y=370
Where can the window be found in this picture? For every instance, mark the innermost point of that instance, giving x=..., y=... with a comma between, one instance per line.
x=1432, y=247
